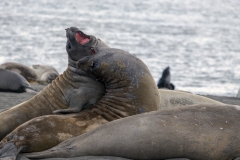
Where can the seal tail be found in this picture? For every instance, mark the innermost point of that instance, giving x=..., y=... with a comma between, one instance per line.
x=9, y=151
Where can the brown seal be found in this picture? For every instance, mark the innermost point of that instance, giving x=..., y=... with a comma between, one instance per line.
x=27, y=72
x=130, y=90
x=195, y=132
x=69, y=92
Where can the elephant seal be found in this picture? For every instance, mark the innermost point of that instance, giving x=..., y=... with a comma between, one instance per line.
x=164, y=81
x=72, y=90
x=174, y=98
x=130, y=90
x=28, y=73
x=45, y=73
x=13, y=82
x=196, y=132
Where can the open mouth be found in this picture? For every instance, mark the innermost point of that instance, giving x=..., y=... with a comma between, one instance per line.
x=81, y=38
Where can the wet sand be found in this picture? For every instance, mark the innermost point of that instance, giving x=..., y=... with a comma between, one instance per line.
x=8, y=99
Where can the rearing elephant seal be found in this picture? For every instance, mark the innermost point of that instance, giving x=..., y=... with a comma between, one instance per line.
x=130, y=90
x=201, y=132
x=74, y=89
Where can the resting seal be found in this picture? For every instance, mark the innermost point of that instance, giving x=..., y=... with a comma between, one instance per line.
x=45, y=73
x=13, y=82
x=196, y=132
x=28, y=73
x=164, y=81
x=130, y=90
x=174, y=98
x=72, y=90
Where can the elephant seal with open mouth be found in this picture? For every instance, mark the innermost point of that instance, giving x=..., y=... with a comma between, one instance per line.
x=69, y=92
x=130, y=89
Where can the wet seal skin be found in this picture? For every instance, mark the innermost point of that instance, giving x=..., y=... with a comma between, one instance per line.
x=72, y=90
x=130, y=90
x=13, y=82
x=25, y=71
x=204, y=131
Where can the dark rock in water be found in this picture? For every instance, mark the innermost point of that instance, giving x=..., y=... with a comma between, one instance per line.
x=164, y=81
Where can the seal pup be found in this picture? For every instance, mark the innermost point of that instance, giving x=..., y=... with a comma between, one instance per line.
x=196, y=132
x=72, y=90
x=164, y=81
x=13, y=82
x=130, y=90
x=45, y=73
x=28, y=73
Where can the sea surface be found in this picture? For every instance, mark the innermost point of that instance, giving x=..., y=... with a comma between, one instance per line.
x=198, y=39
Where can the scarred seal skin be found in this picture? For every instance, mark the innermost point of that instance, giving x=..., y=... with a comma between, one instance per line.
x=72, y=90
x=27, y=72
x=130, y=90
x=201, y=132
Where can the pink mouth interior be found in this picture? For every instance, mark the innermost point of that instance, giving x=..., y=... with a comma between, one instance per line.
x=82, y=39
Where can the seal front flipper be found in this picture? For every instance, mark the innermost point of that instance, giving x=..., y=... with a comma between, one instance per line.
x=9, y=151
x=80, y=99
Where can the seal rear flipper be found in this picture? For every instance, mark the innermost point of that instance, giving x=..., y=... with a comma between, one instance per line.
x=9, y=151
x=50, y=153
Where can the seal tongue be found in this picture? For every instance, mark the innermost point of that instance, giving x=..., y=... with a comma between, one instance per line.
x=81, y=38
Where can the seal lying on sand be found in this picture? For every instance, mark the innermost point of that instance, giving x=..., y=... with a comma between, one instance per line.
x=28, y=73
x=74, y=88
x=45, y=73
x=164, y=81
x=196, y=132
x=174, y=99
x=13, y=82
x=130, y=90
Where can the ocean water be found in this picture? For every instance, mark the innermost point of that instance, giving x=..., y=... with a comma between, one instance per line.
x=198, y=39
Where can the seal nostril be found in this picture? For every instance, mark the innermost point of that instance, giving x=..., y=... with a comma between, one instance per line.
x=69, y=45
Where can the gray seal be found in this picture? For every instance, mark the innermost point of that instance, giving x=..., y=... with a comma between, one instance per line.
x=27, y=72
x=196, y=132
x=13, y=82
x=45, y=73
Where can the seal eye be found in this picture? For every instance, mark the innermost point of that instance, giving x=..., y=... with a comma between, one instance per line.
x=93, y=51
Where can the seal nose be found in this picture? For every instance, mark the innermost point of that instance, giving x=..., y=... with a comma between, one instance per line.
x=66, y=29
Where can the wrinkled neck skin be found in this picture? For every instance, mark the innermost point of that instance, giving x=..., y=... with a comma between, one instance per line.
x=72, y=68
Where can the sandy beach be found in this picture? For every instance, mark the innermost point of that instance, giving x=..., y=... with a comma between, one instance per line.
x=8, y=100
